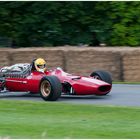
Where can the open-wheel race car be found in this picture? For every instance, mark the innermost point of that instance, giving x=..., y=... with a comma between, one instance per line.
x=51, y=84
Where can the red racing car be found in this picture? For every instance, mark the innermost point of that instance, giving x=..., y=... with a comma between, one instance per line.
x=51, y=84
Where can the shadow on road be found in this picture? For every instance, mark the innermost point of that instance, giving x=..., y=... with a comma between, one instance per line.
x=27, y=96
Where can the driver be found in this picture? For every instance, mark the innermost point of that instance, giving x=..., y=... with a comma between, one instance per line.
x=40, y=65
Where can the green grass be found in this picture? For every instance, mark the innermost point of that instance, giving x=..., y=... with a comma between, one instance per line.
x=27, y=119
x=118, y=82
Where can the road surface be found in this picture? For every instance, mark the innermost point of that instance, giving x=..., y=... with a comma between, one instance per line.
x=121, y=95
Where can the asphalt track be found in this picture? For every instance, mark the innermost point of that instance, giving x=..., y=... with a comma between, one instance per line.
x=121, y=95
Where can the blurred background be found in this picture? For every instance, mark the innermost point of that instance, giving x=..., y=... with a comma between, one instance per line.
x=58, y=23
x=79, y=36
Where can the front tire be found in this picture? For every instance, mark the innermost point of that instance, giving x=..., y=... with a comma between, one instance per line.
x=50, y=88
x=102, y=75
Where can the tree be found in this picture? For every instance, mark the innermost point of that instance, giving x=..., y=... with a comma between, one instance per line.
x=53, y=23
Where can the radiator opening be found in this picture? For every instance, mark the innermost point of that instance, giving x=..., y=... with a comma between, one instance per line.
x=104, y=88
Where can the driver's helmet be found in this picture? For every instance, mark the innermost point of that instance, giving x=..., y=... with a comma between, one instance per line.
x=40, y=65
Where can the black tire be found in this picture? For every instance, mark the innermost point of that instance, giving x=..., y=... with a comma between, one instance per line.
x=102, y=75
x=50, y=88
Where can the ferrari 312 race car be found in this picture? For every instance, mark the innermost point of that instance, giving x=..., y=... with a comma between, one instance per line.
x=51, y=84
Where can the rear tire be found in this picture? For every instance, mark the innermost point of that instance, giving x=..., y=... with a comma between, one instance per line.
x=102, y=75
x=50, y=88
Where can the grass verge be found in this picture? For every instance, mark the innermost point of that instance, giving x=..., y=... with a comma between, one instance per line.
x=116, y=82
x=27, y=119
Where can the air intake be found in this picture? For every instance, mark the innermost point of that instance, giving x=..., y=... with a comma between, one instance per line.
x=104, y=88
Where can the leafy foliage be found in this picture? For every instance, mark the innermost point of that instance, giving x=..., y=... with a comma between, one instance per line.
x=46, y=23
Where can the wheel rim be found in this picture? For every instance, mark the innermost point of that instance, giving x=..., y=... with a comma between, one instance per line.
x=45, y=88
x=97, y=77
